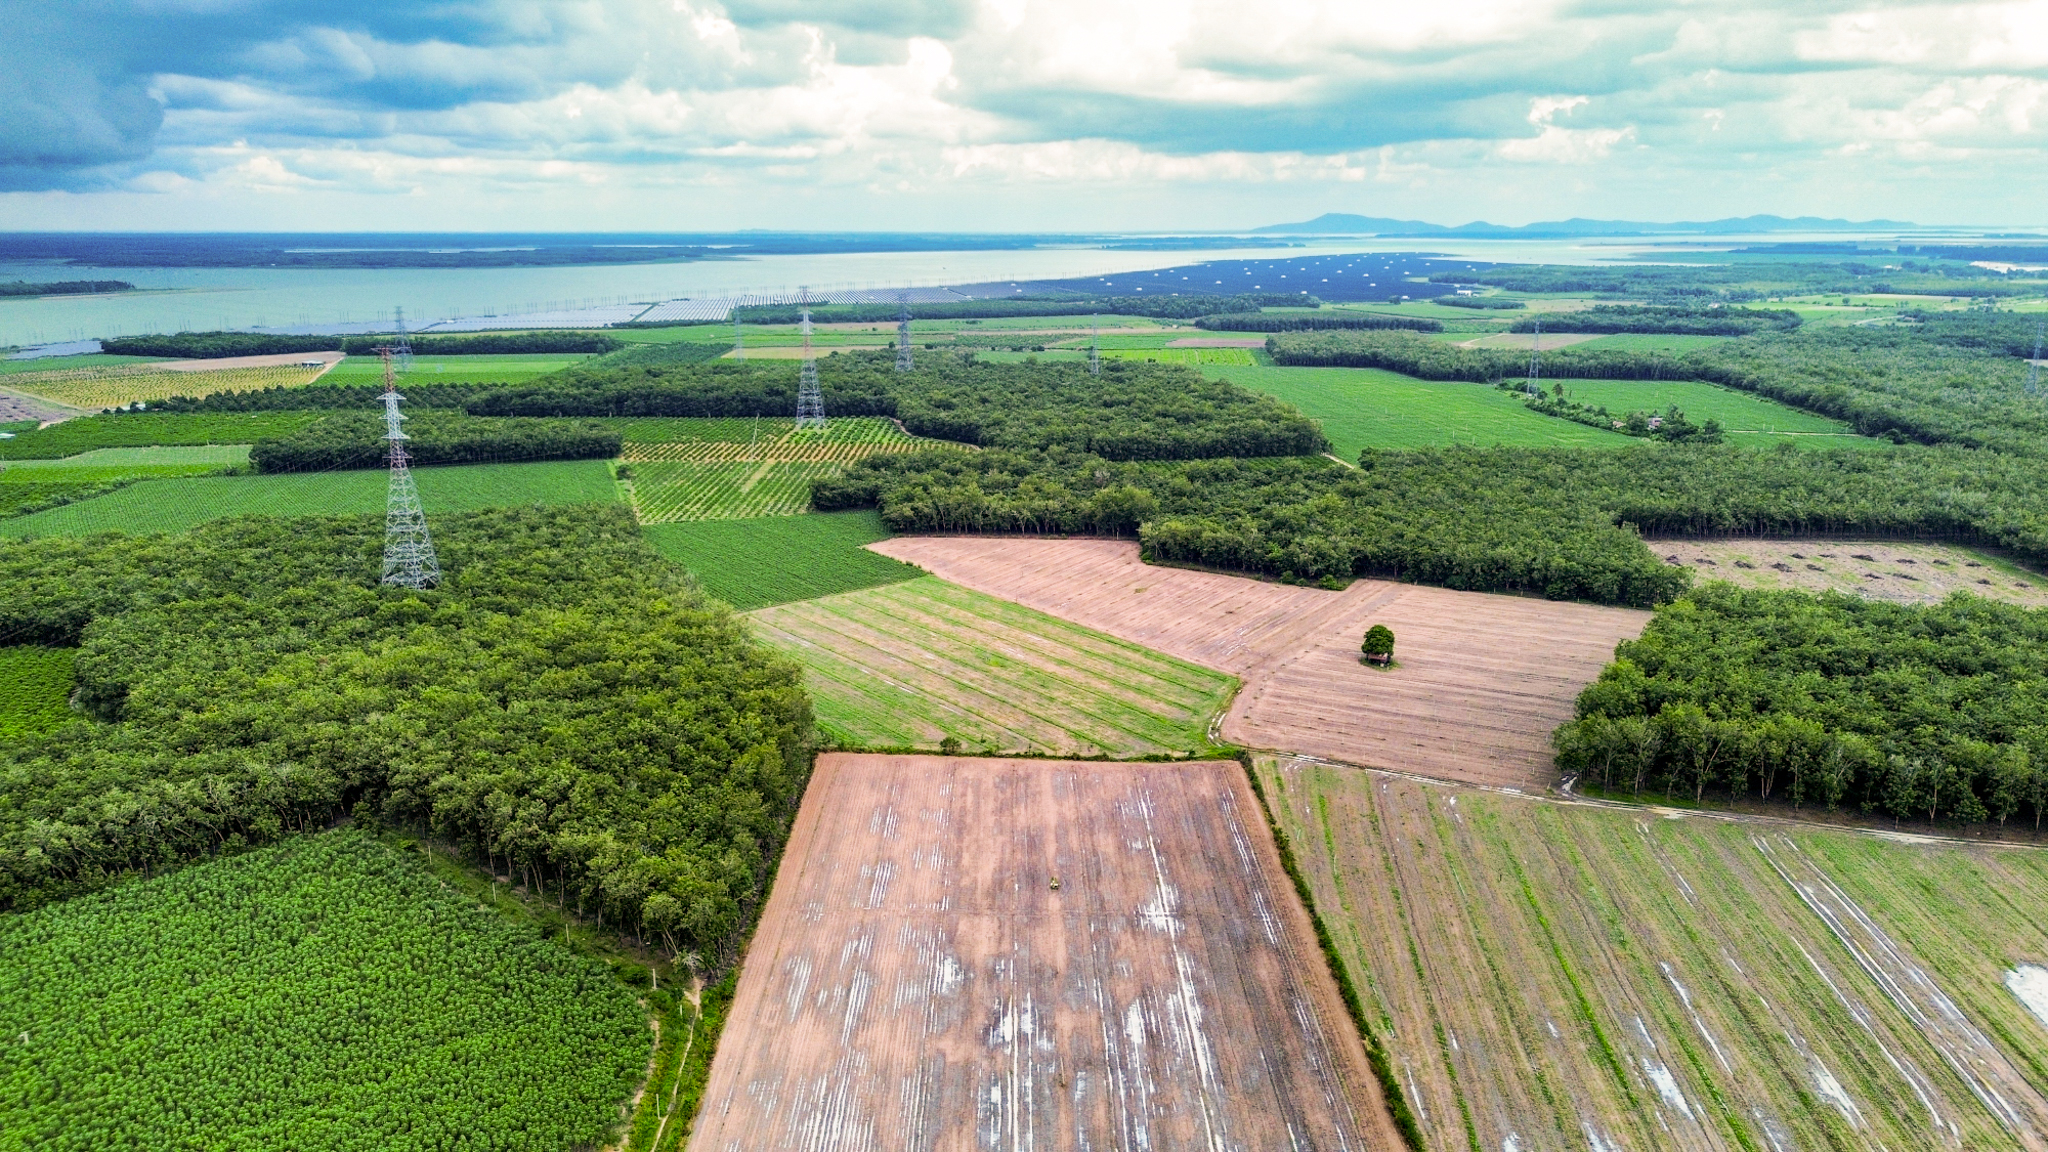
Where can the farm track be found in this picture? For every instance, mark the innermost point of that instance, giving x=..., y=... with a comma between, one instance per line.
x=1562, y=975
x=1482, y=681
x=917, y=982
x=908, y=664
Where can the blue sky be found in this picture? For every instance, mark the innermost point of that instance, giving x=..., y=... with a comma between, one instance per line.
x=1009, y=115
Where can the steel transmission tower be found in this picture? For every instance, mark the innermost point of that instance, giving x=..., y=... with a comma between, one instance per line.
x=1533, y=387
x=739, y=342
x=401, y=351
x=903, y=362
x=409, y=560
x=1095, y=345
x=810, y=399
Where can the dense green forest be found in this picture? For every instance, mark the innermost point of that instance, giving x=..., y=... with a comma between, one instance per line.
x=150, y=429
x=322, y=993
x=1164, y=307
x=1740, y=281
x=1919, y=712
x=565, y=704
x=1283, y=322
x=1561, y=522
x=1481, y=303
x=419, y=392
x=63, y=287
x=1955, y=380
x=438, y=436
x=1133, y=411
x=217, y=345
x=491, y=343
x=1614, y=318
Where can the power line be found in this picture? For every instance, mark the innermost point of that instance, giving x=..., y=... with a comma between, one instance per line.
x=903, y=361
x=810, y=399
x=1533, y=387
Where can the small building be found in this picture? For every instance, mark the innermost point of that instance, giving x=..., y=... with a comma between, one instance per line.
x=312, y=363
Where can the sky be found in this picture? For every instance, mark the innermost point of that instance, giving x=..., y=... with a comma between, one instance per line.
x=1010, y=115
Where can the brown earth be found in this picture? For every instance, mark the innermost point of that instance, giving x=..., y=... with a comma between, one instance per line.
x=287, y=360
x=1479, y=682
x=15, y=406
x=918, y=982
x=1900, y=573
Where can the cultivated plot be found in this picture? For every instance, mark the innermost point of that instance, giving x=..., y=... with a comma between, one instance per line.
x=909, y=664
x=757, y=471
x=1565, y=976
x=1372, y=408
x=771, y=560
x=1481, y=682
x=35, y=688
x=972, y=953
x=114, y=387
x=1876, y=570
x=175, y=505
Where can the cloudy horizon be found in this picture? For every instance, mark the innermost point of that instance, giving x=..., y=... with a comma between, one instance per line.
x=1009, y=115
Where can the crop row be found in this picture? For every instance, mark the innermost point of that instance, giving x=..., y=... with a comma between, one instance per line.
x=118, y=386
x=665, y=491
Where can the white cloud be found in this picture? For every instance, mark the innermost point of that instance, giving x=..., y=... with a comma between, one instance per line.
x=1556, y=144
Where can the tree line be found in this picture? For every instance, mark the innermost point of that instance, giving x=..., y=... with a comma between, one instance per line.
x=1918, y=712
x=1163, y=306
x=355, y=439
x=219, y=345
x=63, y=287
x=1683, y=321
x=1283, y=322
x=1748, y=280
x=564, y=703
x=1561, y=522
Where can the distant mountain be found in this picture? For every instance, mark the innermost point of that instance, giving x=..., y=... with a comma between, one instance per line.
x=1344, y=223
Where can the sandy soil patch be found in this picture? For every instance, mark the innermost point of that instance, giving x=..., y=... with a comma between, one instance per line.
x=1900, y=573
x=330, y=359
x=1524, y=340
x=1480, y=683
x=1200, y=342
x=15, y=407
x=918, y=981
x=796, y=352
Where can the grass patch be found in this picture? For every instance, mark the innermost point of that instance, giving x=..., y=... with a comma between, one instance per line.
x=1652, y=342
x=1749, y=419
x=148, y=429
x=454, y=369
x=35, y=689
x=325, y=993
x=776, y=559
x=175, y=505
x=1372, y=408
x=909, y=664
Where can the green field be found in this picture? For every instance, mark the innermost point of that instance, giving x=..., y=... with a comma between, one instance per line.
x=1749, y=418
x=103, y=464
x=1370, y=408
x=454, y=369
x=771, y=560
x=906, y=665
x=175, y=505
x=145, y=429
x=325, y=993
x=59, y=363
x=1549, y=975
x=35, y=689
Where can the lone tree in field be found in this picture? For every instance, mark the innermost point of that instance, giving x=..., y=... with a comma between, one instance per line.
x=1379, y=644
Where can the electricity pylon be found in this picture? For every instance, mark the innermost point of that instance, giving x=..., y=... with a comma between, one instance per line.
x=2034, y=365
x=401, y=351
x=1095, y=346
x=810, y=399
x=903, y=361
x=1535, y=386
x=739, y=342
x=409, y=560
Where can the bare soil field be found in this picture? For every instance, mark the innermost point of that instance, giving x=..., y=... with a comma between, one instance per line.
x=1551, y=340
x=1901, y=573
x=1560, y=975
x=907, y=665
x=1027, y=954
x=1480, y=680
x=286, y=360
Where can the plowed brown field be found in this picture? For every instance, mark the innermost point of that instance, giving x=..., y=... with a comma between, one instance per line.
x=1481, y=679
x=917, y=982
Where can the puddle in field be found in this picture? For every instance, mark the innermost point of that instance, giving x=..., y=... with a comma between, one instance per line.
x=2029, y=982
